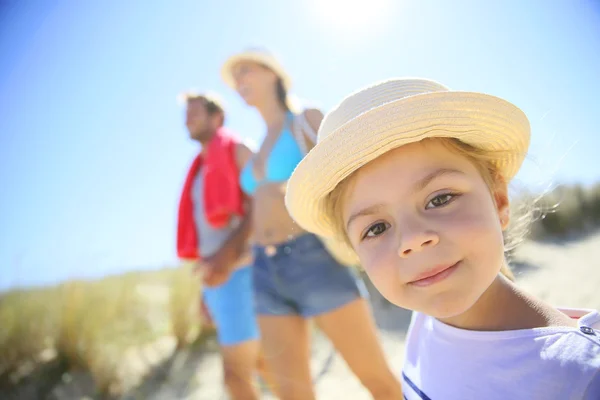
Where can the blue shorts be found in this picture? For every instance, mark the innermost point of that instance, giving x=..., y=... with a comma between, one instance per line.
x=231, y=307
x=300, y=277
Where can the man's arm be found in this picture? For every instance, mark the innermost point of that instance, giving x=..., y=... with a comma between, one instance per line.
x=218, y=266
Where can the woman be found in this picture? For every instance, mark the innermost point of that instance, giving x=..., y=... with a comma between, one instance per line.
x=296, y=279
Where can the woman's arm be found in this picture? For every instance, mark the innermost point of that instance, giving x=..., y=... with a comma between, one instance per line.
x=314, y=117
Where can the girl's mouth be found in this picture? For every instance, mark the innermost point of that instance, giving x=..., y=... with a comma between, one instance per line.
x=434, y=275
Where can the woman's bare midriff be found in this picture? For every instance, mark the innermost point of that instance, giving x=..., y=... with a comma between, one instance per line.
x=271, y=222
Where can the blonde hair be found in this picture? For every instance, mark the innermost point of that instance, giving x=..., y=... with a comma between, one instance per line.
x=482, y=160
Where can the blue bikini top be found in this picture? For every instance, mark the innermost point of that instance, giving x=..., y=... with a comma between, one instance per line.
x=281, y=162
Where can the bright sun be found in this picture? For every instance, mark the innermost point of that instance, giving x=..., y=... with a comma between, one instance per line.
x=352, y=17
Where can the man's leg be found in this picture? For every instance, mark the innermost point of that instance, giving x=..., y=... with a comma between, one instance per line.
x=231, y=306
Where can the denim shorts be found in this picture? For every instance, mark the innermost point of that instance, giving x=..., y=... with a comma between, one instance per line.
x=300, y=277
x=231, y=306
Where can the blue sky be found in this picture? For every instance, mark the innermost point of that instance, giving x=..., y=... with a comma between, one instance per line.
x=93, y=149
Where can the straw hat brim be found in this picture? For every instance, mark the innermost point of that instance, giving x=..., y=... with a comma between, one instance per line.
x=477, y=119
x=259, y=58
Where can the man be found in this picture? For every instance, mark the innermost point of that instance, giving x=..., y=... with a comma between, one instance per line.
x=213, y=230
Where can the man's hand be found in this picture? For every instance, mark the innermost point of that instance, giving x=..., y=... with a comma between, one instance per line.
x=216, y=269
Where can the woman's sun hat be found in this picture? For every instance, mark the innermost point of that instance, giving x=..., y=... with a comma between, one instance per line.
x=259, y=56
x=393, y=113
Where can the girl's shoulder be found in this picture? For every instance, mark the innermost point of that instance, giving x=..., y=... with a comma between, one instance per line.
x=561, y=346
x=537, y=360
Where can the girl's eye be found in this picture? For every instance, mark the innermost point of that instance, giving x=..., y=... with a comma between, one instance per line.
x=441, y=200
x=375, y=230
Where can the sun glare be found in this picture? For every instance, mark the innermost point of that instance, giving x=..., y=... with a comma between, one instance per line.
x=352, y=17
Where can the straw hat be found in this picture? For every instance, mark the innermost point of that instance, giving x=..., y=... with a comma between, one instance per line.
x=392, y=113
x=259, y=56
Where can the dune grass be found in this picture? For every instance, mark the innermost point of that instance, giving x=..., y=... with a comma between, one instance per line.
x=91, y=324
x=29, y=321
x=567, y=210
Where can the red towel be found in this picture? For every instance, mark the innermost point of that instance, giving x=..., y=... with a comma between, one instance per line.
x=222, y=193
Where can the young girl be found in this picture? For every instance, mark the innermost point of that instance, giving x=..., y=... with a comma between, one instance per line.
x=414, y=177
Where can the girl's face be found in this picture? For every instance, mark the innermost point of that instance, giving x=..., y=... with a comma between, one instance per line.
x=426, y=228
x=253, y=82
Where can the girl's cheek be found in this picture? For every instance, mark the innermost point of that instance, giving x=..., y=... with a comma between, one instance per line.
x=475, y=230
x=471, y=216
x=379, y=258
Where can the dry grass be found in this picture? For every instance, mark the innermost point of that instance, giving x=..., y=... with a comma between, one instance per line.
x=91, y=324
x=29, y=326
x=568, y=210
x=183, y=306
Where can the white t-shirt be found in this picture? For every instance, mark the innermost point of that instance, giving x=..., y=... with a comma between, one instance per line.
x=446, y=363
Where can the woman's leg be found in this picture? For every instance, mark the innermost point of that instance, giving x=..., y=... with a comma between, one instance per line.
x=336, y=297
x=285, y=335
x=361, y=350
x=285, y=341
